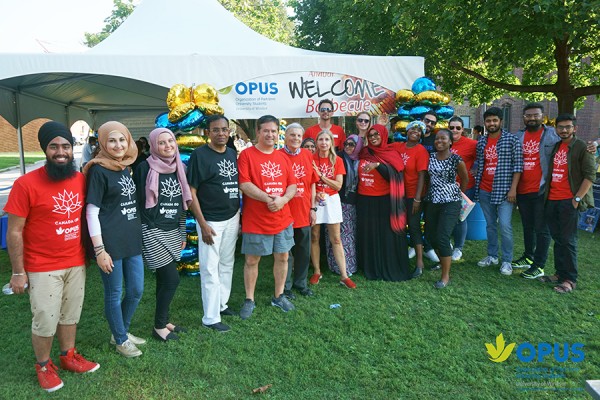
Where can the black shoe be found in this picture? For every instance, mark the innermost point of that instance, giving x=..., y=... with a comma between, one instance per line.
x=170, y=336
x=306, y=292
x=288, y=293
x=228, y=312
x=219, y=327
x=179, y=329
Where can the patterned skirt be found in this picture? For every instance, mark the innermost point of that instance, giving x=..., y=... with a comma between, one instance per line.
x=348, y=234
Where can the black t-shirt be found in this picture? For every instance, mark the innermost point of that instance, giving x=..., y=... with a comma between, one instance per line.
x=114, y=192
x=167, y=211
x=215, y=177
x=427, y=142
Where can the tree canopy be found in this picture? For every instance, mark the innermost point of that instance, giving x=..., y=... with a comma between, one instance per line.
x=267, y=17
x=477, y=50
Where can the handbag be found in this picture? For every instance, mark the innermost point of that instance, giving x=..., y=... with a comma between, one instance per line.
x=466, y=205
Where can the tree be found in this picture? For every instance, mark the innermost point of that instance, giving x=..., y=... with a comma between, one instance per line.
x=267, y=17
x=475, y=49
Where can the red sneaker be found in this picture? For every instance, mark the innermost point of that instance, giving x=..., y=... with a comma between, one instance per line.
x=75, y=362
x=48, y=377
x=348, y=283
x=315, y=278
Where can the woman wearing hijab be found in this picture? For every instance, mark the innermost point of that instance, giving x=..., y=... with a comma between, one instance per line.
x=348, y=198
x=116, y=231
x=381, y=218
x=163, y=194
x=309, y=144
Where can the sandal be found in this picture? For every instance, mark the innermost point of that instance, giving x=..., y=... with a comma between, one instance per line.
x=440, y=284
x=566, y=287
x=418, y=272
x=549, y=278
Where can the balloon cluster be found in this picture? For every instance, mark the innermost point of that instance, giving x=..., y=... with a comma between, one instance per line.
x=281, y=137
x=423, y=98
x=189, y=256
x=188, y=106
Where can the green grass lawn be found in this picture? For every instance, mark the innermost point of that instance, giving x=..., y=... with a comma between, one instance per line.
x=388, y=340
x=8, y=160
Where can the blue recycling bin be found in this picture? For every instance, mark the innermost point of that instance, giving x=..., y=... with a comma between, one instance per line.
x=476, y=224
x=3, y=228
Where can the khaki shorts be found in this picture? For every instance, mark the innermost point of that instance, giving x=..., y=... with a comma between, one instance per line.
x=56, y=297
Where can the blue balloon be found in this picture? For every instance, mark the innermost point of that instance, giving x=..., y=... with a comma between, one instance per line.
x=423, y=84
x=191, y=120
x=190, y=253
x=185, y=156
x=162, y=121
x=190, y=223
x=399, y=137
x=418, y=111
x=445, y=112
x=404, y=113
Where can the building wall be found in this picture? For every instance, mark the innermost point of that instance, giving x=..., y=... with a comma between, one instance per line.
x=8, y=136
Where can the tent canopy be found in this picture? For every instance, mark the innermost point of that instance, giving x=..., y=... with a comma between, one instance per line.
x=163, y=43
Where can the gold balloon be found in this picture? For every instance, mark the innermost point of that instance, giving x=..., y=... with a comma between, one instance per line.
x=180, y=111
x=441, y=125
x=188, y=266
x=192, y=238
x=445, y=99
x=404, y=96
x=190, y=141
x=178, y=94
x=210, y=109
x=205, y=94
x=400, y=126
x=428, y=97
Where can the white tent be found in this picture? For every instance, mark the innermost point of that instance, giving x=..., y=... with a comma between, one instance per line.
x=165, y=42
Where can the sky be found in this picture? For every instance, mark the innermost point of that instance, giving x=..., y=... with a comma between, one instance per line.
x=38, y=26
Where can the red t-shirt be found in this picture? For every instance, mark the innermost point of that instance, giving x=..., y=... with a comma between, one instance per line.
x=559, y=186
x=490, y=162
x=305, y=174
x=532, y=169
x=466, y=148
x=339, y=137
x=273, y=174
x=371, y=183
x=415, y=159
x=329, y=171
x=53, y=211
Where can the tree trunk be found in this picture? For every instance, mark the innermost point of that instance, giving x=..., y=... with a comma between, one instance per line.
x=564, y=92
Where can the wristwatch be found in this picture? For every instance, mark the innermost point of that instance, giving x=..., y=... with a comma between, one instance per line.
x=314, y=209
x=578, y=199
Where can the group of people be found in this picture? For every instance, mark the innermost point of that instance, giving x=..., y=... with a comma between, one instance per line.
x=362, y=188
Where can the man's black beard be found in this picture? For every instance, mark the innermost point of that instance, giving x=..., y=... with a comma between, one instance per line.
x=60, y=172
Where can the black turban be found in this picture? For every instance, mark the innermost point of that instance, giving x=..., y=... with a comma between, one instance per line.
x=51, y=130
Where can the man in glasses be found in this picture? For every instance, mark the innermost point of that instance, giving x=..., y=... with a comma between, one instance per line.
x=213, y=178
x=430, y=120
x=325, y=110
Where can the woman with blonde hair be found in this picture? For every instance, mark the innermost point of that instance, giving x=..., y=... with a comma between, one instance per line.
x=330, y=170
x=116, y=232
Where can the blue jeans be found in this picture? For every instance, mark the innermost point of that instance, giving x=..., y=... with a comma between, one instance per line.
x=497, y=217
x=460, y=230
x=119, y=312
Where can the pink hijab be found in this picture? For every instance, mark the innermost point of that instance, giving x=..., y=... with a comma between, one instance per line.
x=161, y=165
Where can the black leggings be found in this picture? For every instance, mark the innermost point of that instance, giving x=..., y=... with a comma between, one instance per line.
x=167, y=280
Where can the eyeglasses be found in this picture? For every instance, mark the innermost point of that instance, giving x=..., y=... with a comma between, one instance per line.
x=536, y=115
x=455, y=128
x=375, y=134
x=349, y=144
x=428, y=121
x=362, y=120
x=325, y=110
x=564, y=128
x=216, y=131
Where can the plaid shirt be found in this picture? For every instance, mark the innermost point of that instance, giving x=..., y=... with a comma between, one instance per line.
x=510, y=160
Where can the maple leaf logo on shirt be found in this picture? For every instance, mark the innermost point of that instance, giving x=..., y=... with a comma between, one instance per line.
x=326, y=170
x=560, y=158
x=405, y=158
x=227, y=169
x=270, y=170
x=66, y=203
x=490, y=153
x=299, y=171
x=531, y=147
x=127, y=186
x=170, y=188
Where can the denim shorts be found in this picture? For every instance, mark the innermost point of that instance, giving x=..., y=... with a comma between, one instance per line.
x=256, y=244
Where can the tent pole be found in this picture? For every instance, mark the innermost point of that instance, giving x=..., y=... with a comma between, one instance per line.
x=19, y=133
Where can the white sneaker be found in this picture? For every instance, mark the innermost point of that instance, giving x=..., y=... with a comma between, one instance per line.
x=486, y=262
x=506, y=268
x=411, y=252
x=128, y=349
x=456, y=254
x=133, y=339
x=432, y=256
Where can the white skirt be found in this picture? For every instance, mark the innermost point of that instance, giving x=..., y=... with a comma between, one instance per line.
x=331, y=212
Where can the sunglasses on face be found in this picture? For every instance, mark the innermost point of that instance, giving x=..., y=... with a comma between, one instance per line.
x=428, y=121
x=362, y=120
x=349, y=144
x=455, y=128
x=374, y=134
x=325, y=110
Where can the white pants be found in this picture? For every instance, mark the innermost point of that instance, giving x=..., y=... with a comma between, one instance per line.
x=216, y=267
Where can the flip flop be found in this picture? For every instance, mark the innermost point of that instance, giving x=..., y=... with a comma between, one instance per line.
x=440, y=284
x=565, y=287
